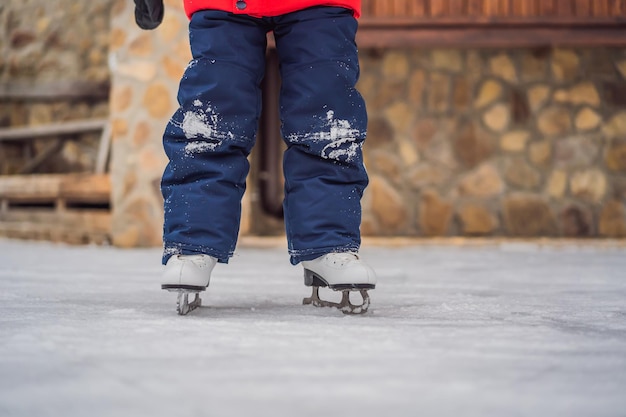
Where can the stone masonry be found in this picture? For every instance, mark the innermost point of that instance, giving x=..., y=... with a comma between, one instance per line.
x=528, y=142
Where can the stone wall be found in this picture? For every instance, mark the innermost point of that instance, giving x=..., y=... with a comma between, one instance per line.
x=528, y=142
x=44, y=44
x=494, y=142
x=146, y=67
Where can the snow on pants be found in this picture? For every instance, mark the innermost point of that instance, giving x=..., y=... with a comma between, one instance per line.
x=210, y=136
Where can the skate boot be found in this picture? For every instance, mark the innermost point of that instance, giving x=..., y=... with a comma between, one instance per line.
x=187, y=274
x=343, y=272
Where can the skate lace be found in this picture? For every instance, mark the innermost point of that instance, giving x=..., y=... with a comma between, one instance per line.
x=342, y=258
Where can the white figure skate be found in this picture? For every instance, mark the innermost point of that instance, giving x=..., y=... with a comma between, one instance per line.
x=187, y=274
x=343, y=272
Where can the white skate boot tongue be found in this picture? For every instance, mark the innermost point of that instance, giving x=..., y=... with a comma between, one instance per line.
x=342, y=258
x=199, y=260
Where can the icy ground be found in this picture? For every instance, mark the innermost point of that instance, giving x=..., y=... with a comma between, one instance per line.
x=510, y=329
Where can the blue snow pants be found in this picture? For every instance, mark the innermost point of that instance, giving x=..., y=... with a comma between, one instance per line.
x=211, y=134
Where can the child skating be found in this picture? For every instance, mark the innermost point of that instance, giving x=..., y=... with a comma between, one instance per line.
x=210, y=136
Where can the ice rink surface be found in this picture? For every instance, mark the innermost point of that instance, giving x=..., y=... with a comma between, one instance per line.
x=509, y=329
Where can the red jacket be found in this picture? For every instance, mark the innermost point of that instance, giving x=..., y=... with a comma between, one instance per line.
x=267, y=8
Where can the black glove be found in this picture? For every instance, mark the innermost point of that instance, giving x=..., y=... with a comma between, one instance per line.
x=148, y=13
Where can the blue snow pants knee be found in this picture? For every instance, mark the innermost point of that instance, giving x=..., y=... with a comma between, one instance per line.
x=210, y=136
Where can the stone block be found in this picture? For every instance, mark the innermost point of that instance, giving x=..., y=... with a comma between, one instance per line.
x=483, y=182
x=388, y=91
x=538, y=96
x=583, y=93
x=557, y=184
x=615, y=128
x=400, y=116
x=520, y=174
x=379, y=133
x=576, y=152
x=387, y=165
x=527, y=215
x=388, y=206
x=408, y=153
x=502, y=66
x=497, y=118
x=424, y=132
x=533, y=66
x=157, y=101
x=461, y=93
x=488, y=92
x=540, y=153
x=439, y=92
x=473, y=145
x=554, y=121
x=621, y=67
x=615, y=156
x=173, y=69
x=395, y=66
x=587, y=119
x=514, y=141
x=477, y=220
x=447, y=60
x=417, y=86
x=428, y=174
x=142, y=135
x=576, y=221
x=434, y=214
x=612, y=221
x=565, y=65
x=589, y=184
x=141, y=46
x=121, y=98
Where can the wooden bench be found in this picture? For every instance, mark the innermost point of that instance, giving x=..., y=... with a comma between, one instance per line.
x=72, y=208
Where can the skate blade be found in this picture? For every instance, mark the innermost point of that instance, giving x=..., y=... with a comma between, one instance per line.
x=345, y=305
x=183, y=306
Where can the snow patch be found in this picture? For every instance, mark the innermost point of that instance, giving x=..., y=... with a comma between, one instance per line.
x=204, y=124
x=344, y=139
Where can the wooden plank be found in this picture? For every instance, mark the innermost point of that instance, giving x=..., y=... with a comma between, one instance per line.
x=104, y=149
x=548, y=8
x=86, y=188
x=438, y=8
x=57, y=90
x=54, y=129
x=417, y=8
x=600, y=8
x=457, y=7
x=529, y=8
x=491, y=37
x=399, y=7
x=474, y=8
x=30, y=187
x=513, y=22
x=617, y=8
x=505, y=8
x=582, y=8
x=565, y=8
x=50, y=149
x=76, y=227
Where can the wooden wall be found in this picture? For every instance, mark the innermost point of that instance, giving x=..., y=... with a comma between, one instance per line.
x=495, y=8
x=492, y=23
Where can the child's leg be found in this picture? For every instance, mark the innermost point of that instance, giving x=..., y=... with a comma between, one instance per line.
x=324, y=125
x=210, y=136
